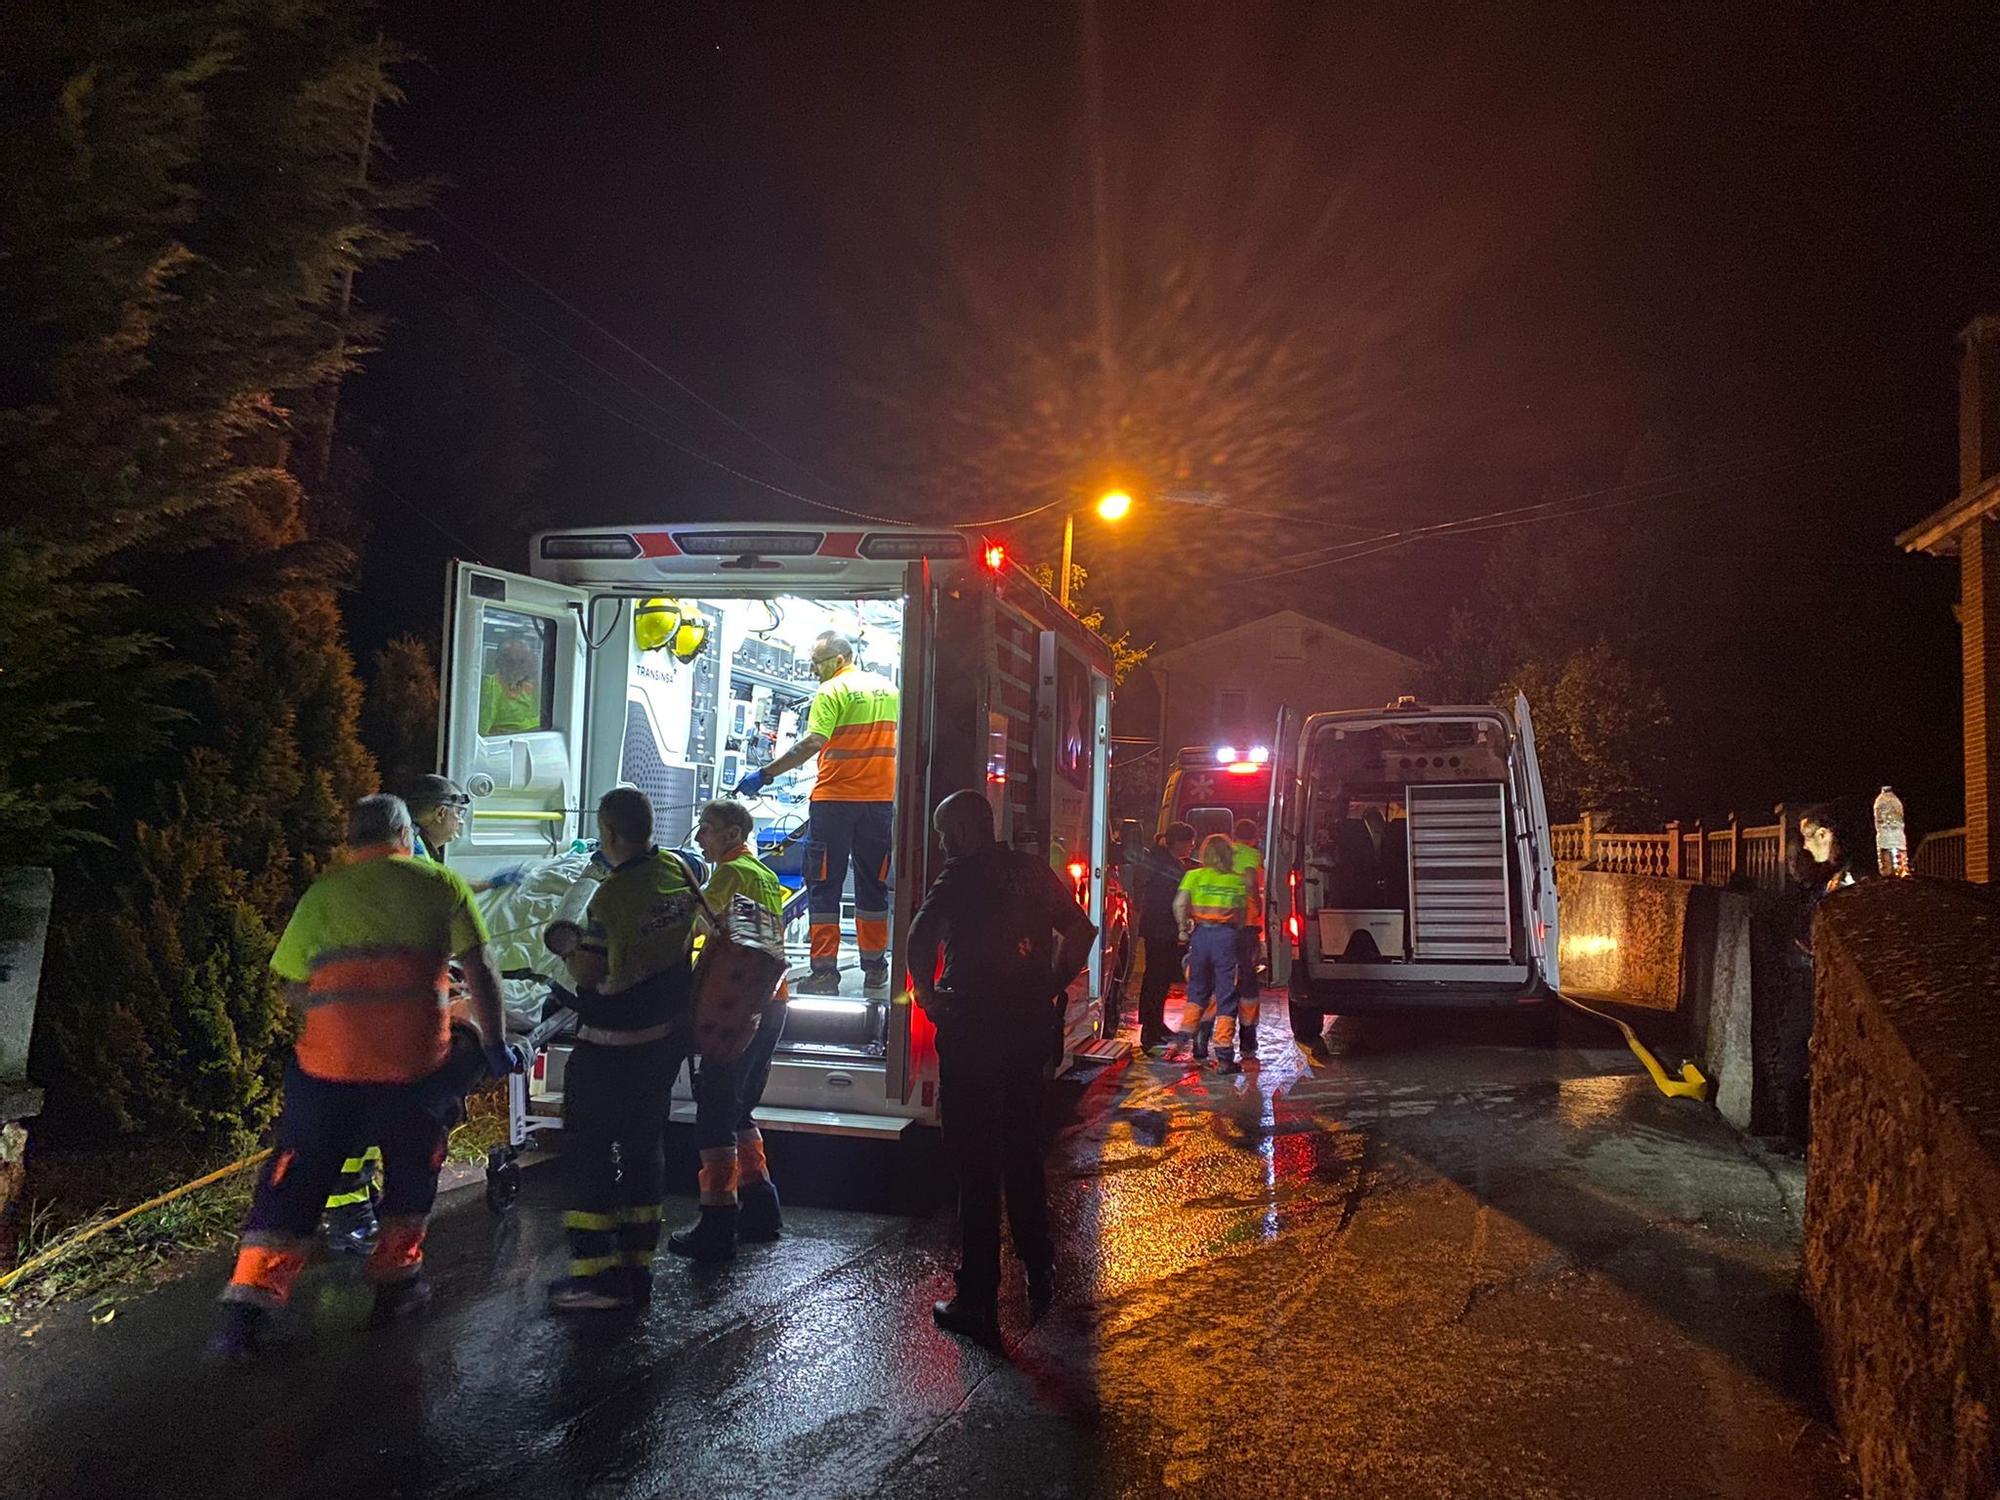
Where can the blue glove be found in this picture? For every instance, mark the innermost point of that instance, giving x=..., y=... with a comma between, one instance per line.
x=507, y=879
x=751, y=785
x=503, y=1058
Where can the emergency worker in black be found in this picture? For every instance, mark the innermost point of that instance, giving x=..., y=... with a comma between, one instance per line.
x=633, y=974
x=1012, y=938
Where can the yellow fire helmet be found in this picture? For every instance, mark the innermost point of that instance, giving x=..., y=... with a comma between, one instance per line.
x=689, y=637
x=654, y=623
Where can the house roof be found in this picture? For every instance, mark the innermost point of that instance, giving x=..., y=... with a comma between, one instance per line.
x=1938, y=532
x=1220, y=642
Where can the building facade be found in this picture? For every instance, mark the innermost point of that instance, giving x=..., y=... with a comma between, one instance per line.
x=1969, y=528
x=1229, y=686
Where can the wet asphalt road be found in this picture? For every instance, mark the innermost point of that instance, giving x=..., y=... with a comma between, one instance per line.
x=1444, y=1263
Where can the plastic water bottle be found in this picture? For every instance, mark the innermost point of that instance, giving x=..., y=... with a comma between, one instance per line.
x=1892, y=840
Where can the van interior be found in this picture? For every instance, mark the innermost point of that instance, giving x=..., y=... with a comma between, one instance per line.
x=1405, y=856
x=716, y=688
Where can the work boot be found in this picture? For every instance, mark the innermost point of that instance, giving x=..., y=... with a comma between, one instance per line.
x=1226, y=1063
x=712, y=1237
x=395, y=1300
x=239, y=1338
x=875, y=979
x=979, y=1322
x=1246, y=1042
x=1041, y=1291
x=351, y=1228
x=605, y=1293
x=819, y=983
x=757, y=1218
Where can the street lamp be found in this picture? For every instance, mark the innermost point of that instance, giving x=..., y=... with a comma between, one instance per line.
x=1112, y=505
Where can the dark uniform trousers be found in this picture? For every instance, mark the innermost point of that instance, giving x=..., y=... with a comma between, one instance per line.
x=990, y=1061
x=1163, y=967
x=319, y=1125
x=614, y=1121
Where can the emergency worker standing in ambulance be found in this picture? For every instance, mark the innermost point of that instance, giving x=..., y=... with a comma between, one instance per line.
x=851, y=727
x=634, y=981
x=364, y=957
x=1012, y=938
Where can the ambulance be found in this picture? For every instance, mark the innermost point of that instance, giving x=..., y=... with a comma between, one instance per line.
x=677, y=658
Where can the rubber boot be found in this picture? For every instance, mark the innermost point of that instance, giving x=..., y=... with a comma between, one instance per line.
x=712, y=1237
x=980, y=1323
x=1246, y=1043
x=1202, y=1033
x=758, y=1219
x=239, y=1338
x=395, y=1300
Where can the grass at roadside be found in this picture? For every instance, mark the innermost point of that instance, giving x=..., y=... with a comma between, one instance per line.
x=159, y=1244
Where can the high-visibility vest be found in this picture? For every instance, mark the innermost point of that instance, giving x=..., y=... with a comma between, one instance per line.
x=370, y=941
x=1217, y=896
x=1250, y=865
x=742, y=873
x=855, y=711
x=640, y=921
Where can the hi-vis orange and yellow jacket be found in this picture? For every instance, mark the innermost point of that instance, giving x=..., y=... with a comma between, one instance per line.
x=856, y=711
x=369, y=941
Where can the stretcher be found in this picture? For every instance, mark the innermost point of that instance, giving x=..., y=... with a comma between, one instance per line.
x=534, y=1095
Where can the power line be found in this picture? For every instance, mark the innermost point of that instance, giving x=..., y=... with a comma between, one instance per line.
x=585, y=318
x=1504, y=520
x=578, y=313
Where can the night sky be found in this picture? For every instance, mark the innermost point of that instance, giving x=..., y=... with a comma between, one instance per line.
x=1369, y=268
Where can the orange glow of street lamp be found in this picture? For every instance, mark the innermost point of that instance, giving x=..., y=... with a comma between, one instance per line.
x=1114, y=505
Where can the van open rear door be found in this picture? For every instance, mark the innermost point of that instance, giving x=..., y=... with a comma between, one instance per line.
x=911, y=1041
x=513, y=680
x=1538, y=865
x=1280, y=860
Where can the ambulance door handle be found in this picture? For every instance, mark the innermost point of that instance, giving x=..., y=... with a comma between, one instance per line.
x=840, y=1080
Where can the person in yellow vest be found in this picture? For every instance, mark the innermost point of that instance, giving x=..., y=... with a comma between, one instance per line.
x=364, y=957
x=1249, y=863
x=633, y=970
x=852, y=729
x=1210, y=906
x=739, y=1202
x=510, y=696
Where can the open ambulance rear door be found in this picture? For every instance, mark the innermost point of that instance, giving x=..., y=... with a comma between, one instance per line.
x=1537, y=846
x=513, y=678
x=1281, y=845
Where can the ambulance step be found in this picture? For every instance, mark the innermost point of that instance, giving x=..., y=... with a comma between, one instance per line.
x=813, y=1121
x=1103, y=1050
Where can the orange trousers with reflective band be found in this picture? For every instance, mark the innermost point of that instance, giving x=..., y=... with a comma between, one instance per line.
x=846, y=835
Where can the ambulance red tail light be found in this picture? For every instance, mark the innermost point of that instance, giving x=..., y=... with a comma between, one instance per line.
x=1292, y=927
x=995, y=557
x=1078, y=869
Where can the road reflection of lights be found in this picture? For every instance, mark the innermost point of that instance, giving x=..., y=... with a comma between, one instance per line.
x=1268, y=1158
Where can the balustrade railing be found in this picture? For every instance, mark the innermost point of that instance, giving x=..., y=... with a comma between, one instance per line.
x=1725, y=855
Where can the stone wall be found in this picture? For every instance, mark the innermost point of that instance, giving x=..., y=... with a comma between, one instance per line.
x=1903, y=1182
x=1717, y=965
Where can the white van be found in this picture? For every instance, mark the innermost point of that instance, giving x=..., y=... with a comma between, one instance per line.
x=1410, y=862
